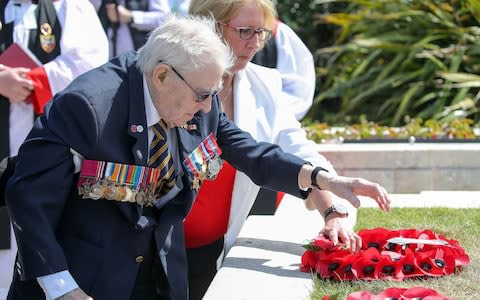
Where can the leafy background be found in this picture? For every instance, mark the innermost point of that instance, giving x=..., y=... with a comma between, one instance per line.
x=391, y=61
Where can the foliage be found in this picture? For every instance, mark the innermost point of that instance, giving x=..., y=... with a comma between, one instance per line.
x=414, y=129
x=392, y=58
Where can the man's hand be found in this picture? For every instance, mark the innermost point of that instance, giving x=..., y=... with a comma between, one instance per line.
x=76, y=294
x=349, y=188
x=340, y=233
x=337, y=227
x=118, y=14
x=14, y=84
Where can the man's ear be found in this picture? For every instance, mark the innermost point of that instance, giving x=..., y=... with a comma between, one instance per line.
x=160, y=73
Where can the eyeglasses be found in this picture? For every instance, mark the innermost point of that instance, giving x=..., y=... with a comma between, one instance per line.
x=247, y=33
x=199, y=97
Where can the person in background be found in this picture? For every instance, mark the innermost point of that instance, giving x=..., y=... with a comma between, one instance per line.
x=128, y=22
x=179, y=7
x=253, y=98
x=66, y=39
x=87, y=225
x=287, y=53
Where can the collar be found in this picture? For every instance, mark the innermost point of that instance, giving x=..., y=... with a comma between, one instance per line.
x=151, y=113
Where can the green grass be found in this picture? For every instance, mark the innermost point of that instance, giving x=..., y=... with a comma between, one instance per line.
x=462, y=225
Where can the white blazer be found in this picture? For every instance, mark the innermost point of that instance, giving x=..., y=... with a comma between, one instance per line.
x=260, y=109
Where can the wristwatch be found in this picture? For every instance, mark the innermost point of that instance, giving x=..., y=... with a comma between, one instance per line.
x=336, y=208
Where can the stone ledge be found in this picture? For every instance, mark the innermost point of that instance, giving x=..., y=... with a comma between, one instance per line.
x=409, y=168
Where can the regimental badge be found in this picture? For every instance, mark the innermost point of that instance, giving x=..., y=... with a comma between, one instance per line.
x=204, y=163
x=118, y=182
x=47, y=38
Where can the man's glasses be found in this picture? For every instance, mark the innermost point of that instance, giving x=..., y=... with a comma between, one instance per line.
x=199, y=97
x=247, y=33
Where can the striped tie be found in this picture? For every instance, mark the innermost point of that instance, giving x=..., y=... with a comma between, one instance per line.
x=160, y=158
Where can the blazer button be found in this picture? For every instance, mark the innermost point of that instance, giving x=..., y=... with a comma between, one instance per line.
x=139, y=259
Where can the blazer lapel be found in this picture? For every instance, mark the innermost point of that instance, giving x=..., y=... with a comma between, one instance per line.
x=138, y=130
x=244, y=105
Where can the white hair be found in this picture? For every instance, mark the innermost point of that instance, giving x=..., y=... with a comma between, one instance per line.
x=187, y=43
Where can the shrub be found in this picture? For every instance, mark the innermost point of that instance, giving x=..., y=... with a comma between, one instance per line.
x=393, y=58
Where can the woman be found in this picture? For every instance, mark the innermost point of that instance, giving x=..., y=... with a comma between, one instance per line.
x=252, y=98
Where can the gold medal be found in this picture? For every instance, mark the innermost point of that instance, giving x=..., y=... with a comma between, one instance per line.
x=129, y=196
x=120, y=193
x=110, y=191
x=47, y=39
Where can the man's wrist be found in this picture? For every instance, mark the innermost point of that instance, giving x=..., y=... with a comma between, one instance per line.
x=314, y=177
x=335, y=210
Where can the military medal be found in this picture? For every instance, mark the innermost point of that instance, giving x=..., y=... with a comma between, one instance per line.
x=96, y=191
x=204, y=162
x=47, y=39
x=118, y=182
x=214, y=167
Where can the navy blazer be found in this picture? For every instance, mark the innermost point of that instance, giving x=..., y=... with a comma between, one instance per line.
x=98, y=240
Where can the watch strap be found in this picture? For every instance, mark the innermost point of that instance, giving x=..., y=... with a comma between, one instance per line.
x=333, y=209
x=313, y=176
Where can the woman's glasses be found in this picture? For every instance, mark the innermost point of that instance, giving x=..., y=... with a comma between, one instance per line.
x=247, y=33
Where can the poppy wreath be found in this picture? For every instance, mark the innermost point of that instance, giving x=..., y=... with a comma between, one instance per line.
x=417, y=293
x=381, y=259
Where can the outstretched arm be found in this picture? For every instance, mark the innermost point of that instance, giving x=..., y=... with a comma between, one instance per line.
x=345, y=187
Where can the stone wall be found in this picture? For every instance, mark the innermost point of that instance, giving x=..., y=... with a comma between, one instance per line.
x=409, y=168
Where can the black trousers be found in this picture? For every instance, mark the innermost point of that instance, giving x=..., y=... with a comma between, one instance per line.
x=202, y=267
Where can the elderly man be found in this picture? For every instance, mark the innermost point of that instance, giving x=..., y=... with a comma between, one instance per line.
x=104, y=180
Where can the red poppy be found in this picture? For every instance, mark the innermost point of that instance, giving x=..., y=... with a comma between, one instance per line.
x=375, y=238
x=380, y=259
x=309, y=259
x=423, y=293
x=399, y=293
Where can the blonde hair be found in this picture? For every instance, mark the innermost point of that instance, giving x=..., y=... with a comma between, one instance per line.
x=224, y=11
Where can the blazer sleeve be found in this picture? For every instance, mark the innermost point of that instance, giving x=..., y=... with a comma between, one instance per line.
x=264, y=163
x=43, y=180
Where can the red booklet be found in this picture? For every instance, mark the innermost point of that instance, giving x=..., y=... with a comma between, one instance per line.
x=17, y=56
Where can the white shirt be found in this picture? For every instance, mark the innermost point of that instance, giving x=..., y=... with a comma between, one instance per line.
x=78, y=53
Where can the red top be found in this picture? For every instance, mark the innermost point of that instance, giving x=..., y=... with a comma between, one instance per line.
x=208, y=219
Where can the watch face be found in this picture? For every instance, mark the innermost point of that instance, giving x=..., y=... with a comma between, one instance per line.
x=340, y=209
